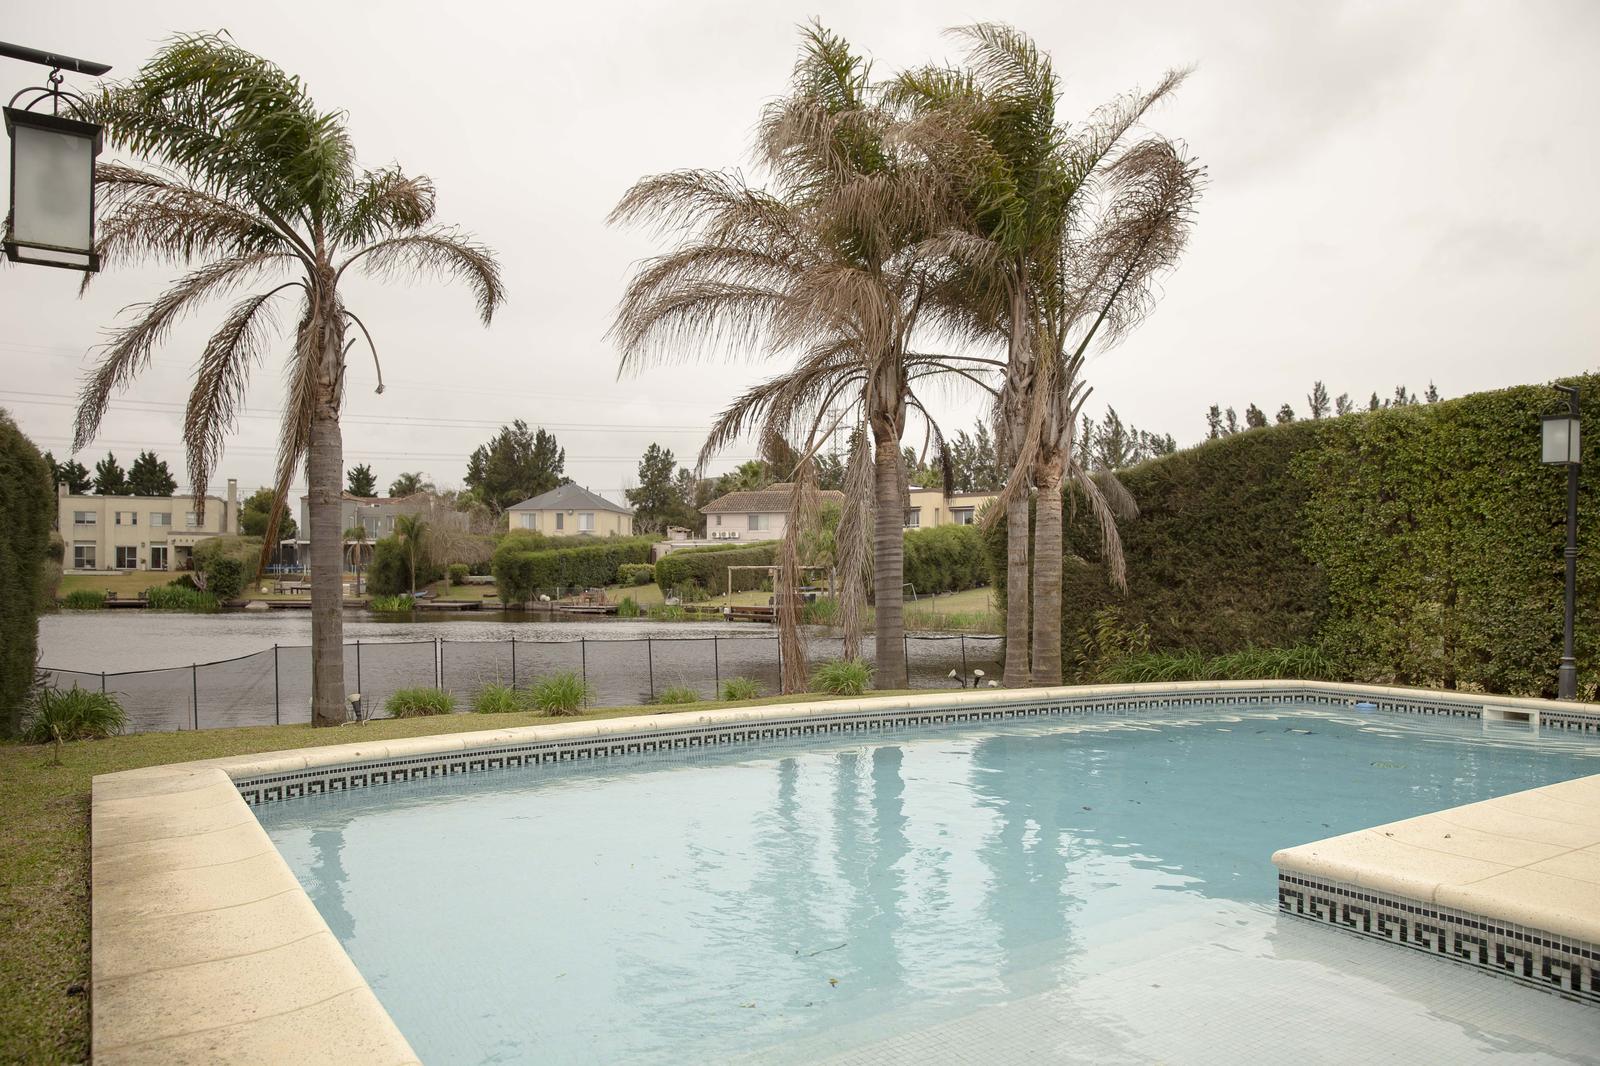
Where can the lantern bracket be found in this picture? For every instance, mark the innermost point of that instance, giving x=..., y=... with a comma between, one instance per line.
x=52, y=92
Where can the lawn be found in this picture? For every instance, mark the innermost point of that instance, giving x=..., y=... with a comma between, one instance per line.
x=44, y=854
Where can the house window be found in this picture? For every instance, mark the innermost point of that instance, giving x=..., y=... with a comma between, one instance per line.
x=914, y=518
x=83, y=518
x=961, y=516
x=370, y=524
x=191, y=520
x=585, y=521
x=561, y=520
x=158, y=556
x=529, y=521
x=127, y=557
x=161, y=519
x=83, y=556
x=760, y=521
x=127, y=518
x=719, y=520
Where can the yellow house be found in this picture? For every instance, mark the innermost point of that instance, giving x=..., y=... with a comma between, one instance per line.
x=931, y=507
x=570, y=510
x=139, y=532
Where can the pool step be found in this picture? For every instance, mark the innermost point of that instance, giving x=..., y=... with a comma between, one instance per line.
x=1510, y=885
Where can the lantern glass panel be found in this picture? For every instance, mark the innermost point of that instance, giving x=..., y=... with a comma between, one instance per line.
x=52, y=194
x=1560, y=441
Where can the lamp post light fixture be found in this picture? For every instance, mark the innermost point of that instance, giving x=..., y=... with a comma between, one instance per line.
x=1562, y=447
x=51, y=207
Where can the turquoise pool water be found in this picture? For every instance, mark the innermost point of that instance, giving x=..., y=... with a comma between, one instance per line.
x=1082, y=889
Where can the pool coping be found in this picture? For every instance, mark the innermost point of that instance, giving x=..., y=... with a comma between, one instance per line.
x=206, y=949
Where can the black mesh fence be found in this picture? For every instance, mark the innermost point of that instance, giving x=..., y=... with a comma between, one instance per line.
x=274, y=685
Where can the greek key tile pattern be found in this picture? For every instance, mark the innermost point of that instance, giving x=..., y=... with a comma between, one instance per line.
x=269, y=788
x=1578, y=721
x=1570, y=968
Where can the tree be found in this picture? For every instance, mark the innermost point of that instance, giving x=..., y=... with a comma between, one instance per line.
x=1342, y=406
x=1402, y=398
x=73, y=474
x=149, y=476
x=659, y=500
x=517, y=464
x=250, y=182
x=1233, y=421
x=360, y=481
x=409, y=484
x=1372, y=404
x=412, y=532
x=1317, y=400
x=1213, y=422
x=28, y=504
x=354, y=542
x=109, y=478
x=1432, y=395
x=1285, y=414
x=1254, y=417
x=255, y=515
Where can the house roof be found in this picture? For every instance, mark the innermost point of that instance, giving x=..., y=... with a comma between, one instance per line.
x=569, y=498
x=770, y=500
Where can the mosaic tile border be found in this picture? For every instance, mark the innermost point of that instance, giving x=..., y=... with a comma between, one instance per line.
x=270, y=788
x=1578, y=721
x=1569, y=968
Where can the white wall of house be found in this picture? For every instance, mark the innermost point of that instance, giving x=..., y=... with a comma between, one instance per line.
x=139, y=532
x=751, y=526
x=571, y=522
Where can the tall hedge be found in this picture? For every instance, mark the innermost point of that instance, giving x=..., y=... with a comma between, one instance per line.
x=945, y=559
x=1417, y=545
x=389, y=572
x=27, y=500
x=706, y=569
x=520, y=573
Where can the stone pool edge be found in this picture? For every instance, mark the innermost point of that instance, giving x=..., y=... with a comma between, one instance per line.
x=204, y=947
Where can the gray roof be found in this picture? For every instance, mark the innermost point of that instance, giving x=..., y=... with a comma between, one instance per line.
x=569, y=498
x=770, y=500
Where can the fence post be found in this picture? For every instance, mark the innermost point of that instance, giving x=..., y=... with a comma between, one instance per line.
x=194, y=677
x=779, y=639
x=905, y=650
x=438, y=676
x=650, y=663
x=277, y=712
x=963, y=660
x=358, y=666
x=583, y=661
x=513, y=660
x=102, y=682
x=716, y=665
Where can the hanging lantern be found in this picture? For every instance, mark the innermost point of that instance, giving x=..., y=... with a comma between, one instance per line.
x=52, y=190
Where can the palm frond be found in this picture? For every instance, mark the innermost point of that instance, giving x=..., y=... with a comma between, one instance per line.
x=443, y=251
x=383, y=202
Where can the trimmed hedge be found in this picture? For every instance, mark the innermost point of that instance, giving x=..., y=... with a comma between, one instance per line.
x=1416, y=545
x=636, y=573
x=945, y=559
x=520, y=573
x=389, y=572
x=706, y=569
x=27, y=500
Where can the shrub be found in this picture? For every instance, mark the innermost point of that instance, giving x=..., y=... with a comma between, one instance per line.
x=678, y=694
x=183, y=581
x=225, y=577
x=495, y=698
x=84, y=600
x=822, y=611
x=519, y=573
x=842, y=677
x=178, y=598
x=389, y=573
x=667, y=612
x=741, y=688
x=1302, y=662
x=562, y=693
x=226, y=563
x=636, y=573
x=458, y=573
x=419, y=703
x=706, y=569
x=74, y=714
x=628, y=609
x=945, y=559
x=401, y=603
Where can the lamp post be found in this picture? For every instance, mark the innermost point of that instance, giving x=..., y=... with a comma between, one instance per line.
x=1562, y=447
x=51, y=217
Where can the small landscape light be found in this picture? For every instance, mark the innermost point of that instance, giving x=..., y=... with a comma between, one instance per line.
x=355, y=705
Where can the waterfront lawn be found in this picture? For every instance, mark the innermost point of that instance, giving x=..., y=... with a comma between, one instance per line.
x=44, y=853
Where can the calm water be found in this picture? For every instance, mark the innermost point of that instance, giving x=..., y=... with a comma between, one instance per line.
x=790, y=904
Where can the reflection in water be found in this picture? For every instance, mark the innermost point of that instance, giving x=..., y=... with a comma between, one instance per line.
x=790, y=903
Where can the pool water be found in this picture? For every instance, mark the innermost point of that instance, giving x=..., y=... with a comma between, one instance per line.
x=1092, y=889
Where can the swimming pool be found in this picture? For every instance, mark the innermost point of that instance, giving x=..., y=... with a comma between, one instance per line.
x=1092, y=888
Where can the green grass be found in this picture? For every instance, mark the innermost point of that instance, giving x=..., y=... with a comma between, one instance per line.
x=180, y=598
x=418, y=703
x=495, y=698
x=678, y=694
x=398, y=604
x=741, y=688
x=563, y=693
x=84, y=600
x=1249, y=664
x=44, y=854
x=73, y=714
x=843, y=677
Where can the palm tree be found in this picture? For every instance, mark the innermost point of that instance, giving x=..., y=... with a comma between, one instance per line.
x=253, y=183
x=1027, y=182
x=412, y=530
x=356, y=538
x=834, y=263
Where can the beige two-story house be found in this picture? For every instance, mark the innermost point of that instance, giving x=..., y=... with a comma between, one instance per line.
x=570, y=510
x=931, y=507
x=762, y=514
x=108, y=533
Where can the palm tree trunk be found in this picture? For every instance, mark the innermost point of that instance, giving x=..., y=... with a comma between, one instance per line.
x=1017, y=574
x=888, y=561
x=1047, y=548
x=324, y=476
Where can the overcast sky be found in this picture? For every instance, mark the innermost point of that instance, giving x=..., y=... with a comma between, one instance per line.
x=1399, y=193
